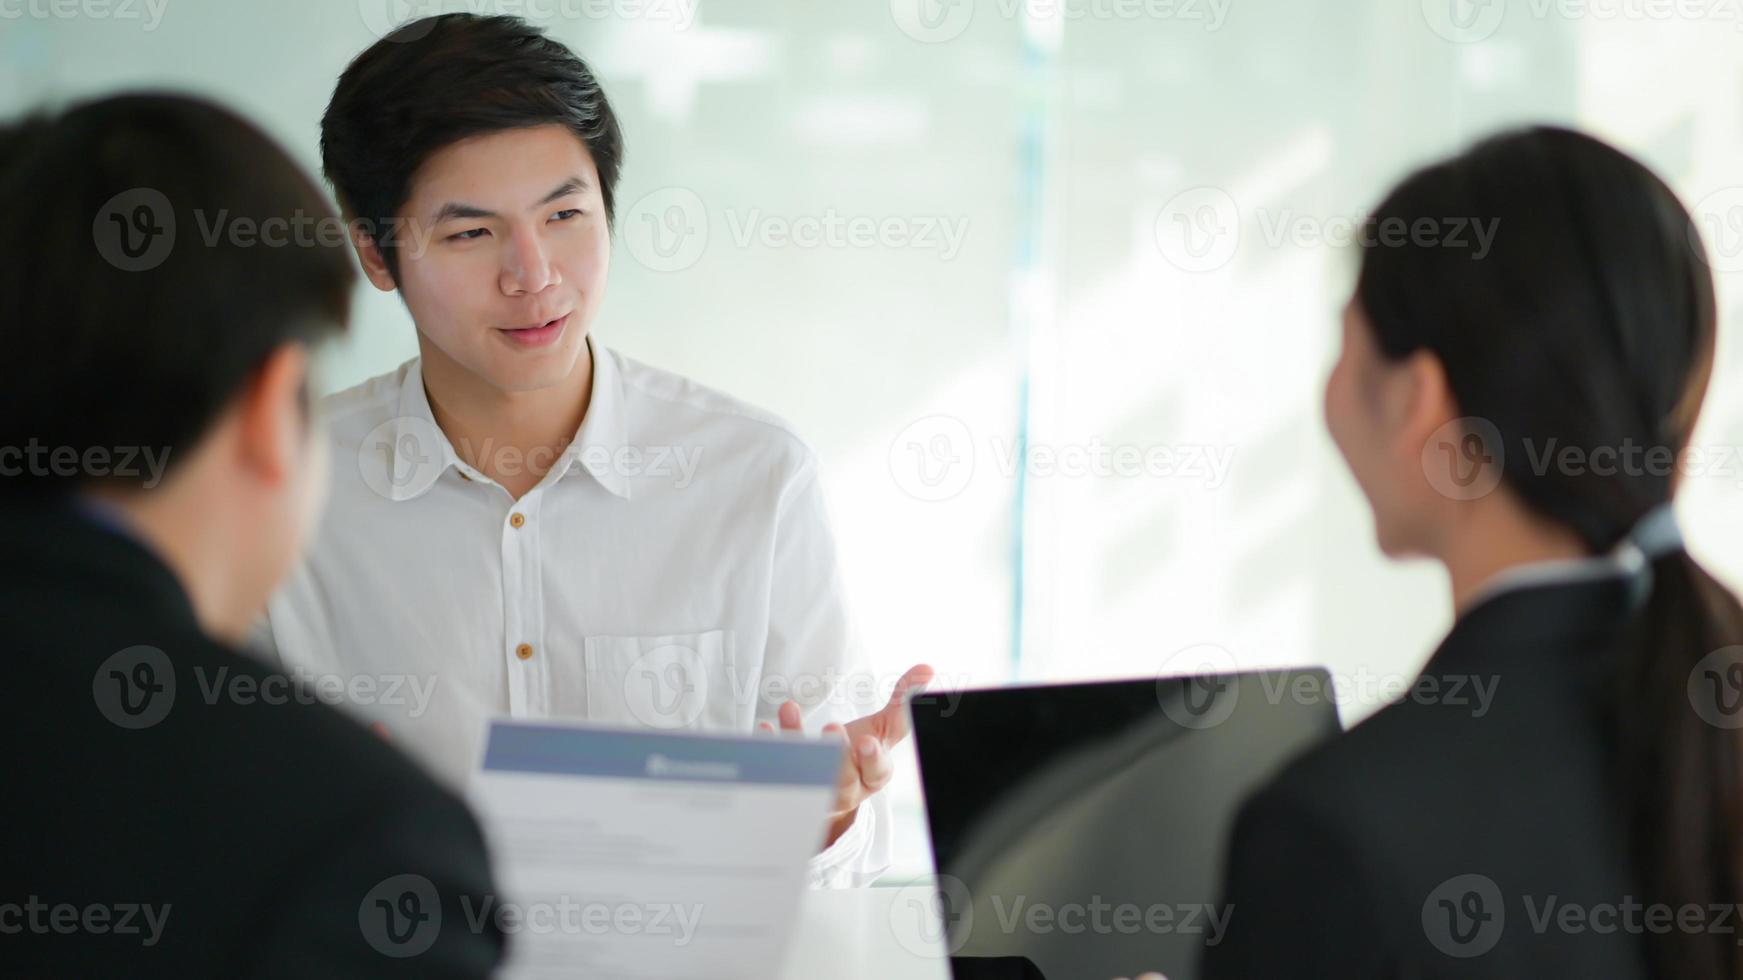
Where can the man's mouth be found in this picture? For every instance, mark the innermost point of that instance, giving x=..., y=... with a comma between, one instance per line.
x=536, y=335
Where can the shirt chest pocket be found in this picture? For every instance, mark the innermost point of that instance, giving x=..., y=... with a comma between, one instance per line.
x=683, y=680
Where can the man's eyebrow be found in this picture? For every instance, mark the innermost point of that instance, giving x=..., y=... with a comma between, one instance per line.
x=455, y=209
x=574, y=185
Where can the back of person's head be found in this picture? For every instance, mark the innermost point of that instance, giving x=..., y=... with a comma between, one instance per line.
x=164, y=268
x=439, y=80
x=1589, y=323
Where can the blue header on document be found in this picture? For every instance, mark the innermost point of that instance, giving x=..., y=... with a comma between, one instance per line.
x=570, y=750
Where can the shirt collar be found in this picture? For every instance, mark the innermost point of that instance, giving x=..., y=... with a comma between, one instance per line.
x=419, y=452
x=108, y=516
x=1653, y=535
x=598, y=446
x=1537, y=574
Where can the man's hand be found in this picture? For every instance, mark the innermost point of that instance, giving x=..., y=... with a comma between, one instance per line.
x=866, y=766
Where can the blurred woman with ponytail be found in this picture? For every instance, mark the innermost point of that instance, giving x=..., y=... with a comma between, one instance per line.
x=1587, y=821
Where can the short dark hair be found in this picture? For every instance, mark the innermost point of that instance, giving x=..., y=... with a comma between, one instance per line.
x=156, y=250
x=439, y=80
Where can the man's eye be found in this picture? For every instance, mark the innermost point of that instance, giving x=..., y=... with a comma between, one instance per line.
x=565, y=214
x=466, y=236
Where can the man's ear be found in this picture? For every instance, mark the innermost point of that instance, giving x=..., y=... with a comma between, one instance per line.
x=273, y=414
x=369, y=254
x=1421, y=402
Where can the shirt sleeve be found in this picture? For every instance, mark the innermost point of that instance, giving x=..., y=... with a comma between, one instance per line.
x=812, y=658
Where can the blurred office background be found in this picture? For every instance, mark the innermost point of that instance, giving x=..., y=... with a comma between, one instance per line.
x=1103, y=235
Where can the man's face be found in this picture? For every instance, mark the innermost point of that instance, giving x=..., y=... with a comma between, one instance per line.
x=513, y=269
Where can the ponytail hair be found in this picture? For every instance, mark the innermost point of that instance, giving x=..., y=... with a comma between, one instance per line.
x=1680, y=758
x=1590, y=321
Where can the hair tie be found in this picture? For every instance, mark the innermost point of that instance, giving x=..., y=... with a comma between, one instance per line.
x=1653, y=536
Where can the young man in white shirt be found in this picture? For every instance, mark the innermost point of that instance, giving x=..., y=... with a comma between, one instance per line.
x=522, y=521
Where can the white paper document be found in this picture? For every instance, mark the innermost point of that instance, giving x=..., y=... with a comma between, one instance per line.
x=636, y=855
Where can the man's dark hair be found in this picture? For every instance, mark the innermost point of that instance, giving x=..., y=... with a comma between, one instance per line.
x=442, y=79
x=140, y=283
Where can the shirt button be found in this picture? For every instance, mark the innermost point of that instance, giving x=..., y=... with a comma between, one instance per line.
x=517, y=519
x=524, y=651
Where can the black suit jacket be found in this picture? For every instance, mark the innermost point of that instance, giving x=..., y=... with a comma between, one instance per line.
x=1437, y=839
x=163, y=819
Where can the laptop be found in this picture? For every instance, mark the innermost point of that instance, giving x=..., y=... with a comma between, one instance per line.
x=1078, y=830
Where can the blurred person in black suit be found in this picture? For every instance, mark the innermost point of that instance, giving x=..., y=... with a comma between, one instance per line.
x=175, y=809
x=1519, y=414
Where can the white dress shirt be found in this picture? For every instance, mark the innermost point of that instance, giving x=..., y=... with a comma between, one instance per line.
x=673, y=569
